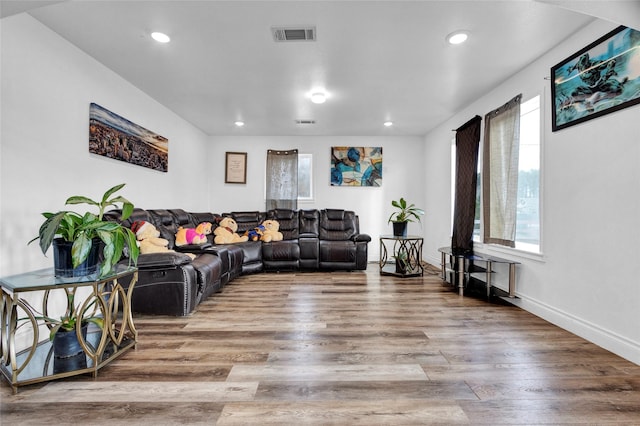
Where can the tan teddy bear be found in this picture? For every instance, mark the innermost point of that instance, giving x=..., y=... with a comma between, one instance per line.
x=225, y=233
x=149, y=239
x=271, y=231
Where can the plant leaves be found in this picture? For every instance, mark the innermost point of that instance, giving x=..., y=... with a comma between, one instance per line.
x=109, y=192
x=49, y=229
x=78, y=199
x=80, y=249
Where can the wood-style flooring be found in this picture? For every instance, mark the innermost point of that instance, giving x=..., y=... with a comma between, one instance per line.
x=343, y=348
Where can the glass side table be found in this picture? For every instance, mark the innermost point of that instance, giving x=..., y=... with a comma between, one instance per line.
x=401, y=256
x=33, y=361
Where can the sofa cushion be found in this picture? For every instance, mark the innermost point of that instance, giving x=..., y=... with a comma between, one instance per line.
x=288, y=221
x=334, y=214
x=182, y=218
x=247, y=220
x=334, y=229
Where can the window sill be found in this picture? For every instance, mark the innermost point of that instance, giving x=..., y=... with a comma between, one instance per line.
x=514, y=252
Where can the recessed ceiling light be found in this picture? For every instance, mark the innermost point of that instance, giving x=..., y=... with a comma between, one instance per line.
x=457, y=37
x=239, y=123
x=160, y=37
x=318, y=98
x=388, y=123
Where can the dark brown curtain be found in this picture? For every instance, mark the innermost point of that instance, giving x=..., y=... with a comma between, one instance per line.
x=282, y=179
x=467, y=144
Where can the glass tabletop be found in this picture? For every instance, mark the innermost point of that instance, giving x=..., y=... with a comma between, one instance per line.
x=45, y=278
x=397, y=237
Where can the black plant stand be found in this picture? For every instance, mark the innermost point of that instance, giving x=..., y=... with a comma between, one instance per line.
x=391, y=245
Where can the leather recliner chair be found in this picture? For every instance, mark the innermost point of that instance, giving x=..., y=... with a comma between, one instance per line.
x=167, y=282
x=341, y=244
x=285, y=254
x=252, y=250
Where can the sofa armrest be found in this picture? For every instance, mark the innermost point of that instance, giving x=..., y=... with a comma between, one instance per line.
x=361, y=238
x=193, y=248
x=159, y=260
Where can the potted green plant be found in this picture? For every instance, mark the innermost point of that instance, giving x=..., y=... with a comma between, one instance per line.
x=80, y=236
x=67, y=350
x=402, y=261
x=405, y=214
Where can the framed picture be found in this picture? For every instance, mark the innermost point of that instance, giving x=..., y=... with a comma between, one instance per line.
x=113, y=136
x=601, y=78
x=235, y=166
x=356, y=166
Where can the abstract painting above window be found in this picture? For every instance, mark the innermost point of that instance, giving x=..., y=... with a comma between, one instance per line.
x=601, y=78
x=113, y=136
x=356, y=166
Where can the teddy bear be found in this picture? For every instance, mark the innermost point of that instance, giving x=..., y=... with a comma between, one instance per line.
x=148, y=238
x=204, y=228
x=271, y=231
x=197, y=235
x=225, y=233
x=255, y=234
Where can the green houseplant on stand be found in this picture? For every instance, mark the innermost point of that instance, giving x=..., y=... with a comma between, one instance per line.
x=68, y=330
x=80, y=236
x=405, y=213
x=90, y=245
x=402, y=261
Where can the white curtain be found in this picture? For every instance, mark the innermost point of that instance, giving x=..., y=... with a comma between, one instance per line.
x=500, y=173
x=282, y=179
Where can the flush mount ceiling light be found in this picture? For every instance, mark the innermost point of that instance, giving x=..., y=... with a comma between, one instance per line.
x=318, y=97
x=239, y=123
x=388, y=123
x=457, y=37
x=160, y=37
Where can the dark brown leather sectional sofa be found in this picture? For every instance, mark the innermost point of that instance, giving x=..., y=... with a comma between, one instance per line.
x=174, y=283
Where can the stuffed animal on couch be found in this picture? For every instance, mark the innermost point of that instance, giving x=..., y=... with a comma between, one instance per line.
x=225, y=233
x=271, y=231
x=197, y=235
x=148, y=238
x=254, y=234
x=204, y=228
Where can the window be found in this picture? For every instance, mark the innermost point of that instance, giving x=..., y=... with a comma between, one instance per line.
x=305, y=177
x=281, y=183
x=528, y=205
x=528, y=210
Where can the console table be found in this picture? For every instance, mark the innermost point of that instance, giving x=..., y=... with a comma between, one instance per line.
x=411, y=246
x=34, y=361
x=460, y=267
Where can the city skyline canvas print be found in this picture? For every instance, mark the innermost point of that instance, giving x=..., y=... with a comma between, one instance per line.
x=113, y=136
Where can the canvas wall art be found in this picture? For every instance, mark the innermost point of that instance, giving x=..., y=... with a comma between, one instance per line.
x=356, y=166
x=601, y=78
x=113, y=136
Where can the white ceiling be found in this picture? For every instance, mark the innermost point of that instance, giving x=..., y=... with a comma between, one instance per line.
x=378, y=60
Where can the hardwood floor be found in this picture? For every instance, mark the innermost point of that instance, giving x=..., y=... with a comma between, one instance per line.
x=352, y=348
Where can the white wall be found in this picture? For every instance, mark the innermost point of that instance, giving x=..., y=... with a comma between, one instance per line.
x=587, y=280
x=47, y=86
x=402, y=176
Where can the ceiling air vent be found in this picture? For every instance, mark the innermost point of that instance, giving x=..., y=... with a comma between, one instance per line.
x=305, y=121
x=294, y=33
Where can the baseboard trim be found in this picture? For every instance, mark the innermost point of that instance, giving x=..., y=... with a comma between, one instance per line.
x=606, y=339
